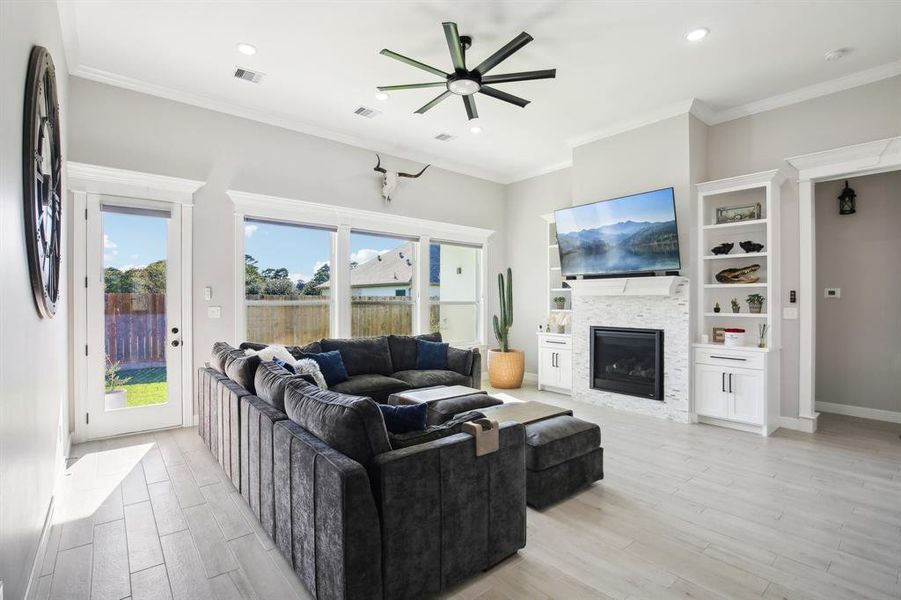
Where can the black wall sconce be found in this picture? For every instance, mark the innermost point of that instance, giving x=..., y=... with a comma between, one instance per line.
x=846, y=201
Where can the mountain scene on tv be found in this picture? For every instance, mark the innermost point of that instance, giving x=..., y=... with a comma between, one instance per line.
x=626, y=235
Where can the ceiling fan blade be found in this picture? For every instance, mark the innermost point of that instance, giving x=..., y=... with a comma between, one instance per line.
x=495, y=93
x=470, y=103
x=454, y=45
x=512, y=46
x=410, y=86
x=413, y=63
x=524, y=76
x=435, y=101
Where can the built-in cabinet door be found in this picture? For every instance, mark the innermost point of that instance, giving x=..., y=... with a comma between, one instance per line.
x=547, y=370
x=564, y=369
x=710, y=391
x=746, y=395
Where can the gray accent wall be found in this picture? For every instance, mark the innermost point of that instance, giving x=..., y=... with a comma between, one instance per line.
x=858, y=336
x=129, y=130
x=34, y=352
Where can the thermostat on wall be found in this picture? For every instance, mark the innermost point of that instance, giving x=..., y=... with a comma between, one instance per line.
x=832, y=293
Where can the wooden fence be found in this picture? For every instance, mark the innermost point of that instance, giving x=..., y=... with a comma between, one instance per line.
x=136, y=328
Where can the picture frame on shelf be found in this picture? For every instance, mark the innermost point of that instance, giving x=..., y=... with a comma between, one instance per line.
x=737, y=214
x=719, y=335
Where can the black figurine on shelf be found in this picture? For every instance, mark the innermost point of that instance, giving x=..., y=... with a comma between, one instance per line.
x=723, y=248
x=750, y=246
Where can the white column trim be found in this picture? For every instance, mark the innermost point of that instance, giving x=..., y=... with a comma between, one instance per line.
x=240, y=273
x=422, y=286
x=340, y=277
x=869, y=158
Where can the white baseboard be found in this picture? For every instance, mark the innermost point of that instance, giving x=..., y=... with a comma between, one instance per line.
x=37, y=565
x=860, y=411
x=797, y=424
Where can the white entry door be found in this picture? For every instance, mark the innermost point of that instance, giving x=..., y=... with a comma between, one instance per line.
x=134, y=316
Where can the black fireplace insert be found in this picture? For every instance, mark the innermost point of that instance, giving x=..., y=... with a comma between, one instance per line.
x=627, y=361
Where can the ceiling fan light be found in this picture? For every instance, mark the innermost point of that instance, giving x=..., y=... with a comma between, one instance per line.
x=475, y=130
x=696, y=35
x=246, y=49
x=383, y=96
x=463, y=86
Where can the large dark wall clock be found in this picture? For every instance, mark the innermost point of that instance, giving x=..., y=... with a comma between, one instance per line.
x=43, y=190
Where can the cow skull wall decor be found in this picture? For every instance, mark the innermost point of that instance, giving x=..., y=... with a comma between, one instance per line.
x=390, y=178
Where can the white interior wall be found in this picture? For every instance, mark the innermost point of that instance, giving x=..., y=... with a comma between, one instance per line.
x=34, y=353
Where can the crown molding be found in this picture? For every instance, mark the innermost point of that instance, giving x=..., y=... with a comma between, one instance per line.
x=860, y=159
x=886, y=71
x=523, y=175
x=655, y=116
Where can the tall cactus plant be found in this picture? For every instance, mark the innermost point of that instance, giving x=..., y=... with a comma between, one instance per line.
x=503, y=324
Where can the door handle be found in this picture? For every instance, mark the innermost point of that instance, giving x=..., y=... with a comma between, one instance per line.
x=728, y=358
x=724, y=381
x=553, y=342
x=730, y=383
x=175, y=343
x=554, y=359
x=175, y=330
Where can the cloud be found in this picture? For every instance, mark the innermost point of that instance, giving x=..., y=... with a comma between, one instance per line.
x=319, y=264
x=365, y=255
x=249, y=230
x=108, y=244
x=295, y=277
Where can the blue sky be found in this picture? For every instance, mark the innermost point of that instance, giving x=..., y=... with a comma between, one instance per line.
x=133, y=241
x=653, y=207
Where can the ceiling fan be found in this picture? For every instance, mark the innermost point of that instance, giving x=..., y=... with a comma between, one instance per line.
x=464, y=82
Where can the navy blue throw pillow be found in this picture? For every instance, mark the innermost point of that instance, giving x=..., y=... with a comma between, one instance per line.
x=286, y=366
x=331, y=365
x=404, y=418
x=431, y=355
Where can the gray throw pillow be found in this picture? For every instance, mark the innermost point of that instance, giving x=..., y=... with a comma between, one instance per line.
x=270, y=382
x=403, y=349
x=242, y=369
x=220, y=352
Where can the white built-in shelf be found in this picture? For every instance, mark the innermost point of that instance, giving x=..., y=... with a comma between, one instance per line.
x=552, y=246
x=561, y=310
x=555, y=268
x=713, y=346
x=738, y=225
x=738, y=256
x=732, y=315
x=561, y=289
x=732, y=286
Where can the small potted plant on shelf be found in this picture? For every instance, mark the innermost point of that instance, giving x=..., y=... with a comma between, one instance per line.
x=116, y=396
x=560, y=302
x=736, y=307
x=716, y=307
x=755, y=303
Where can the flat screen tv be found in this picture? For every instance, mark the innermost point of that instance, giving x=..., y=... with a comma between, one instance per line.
x=622, y=236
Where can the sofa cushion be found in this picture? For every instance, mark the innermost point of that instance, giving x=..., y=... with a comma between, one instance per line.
x=431, y=355
x=432, y=432
x=331, y=365
x=270, y=381
x=557, y=440
x=403, y=349
x=352, y=425
x=431, y=377
x=377, y=387
x=221, y=351
x=242, y=369
x=445, y=410
x=362, y=355
x=460, y=360
x=404, y=418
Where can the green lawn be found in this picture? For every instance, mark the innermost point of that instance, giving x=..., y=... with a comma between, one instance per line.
x=145, y=386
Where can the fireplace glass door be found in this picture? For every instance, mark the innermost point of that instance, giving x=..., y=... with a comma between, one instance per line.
x=627, y=361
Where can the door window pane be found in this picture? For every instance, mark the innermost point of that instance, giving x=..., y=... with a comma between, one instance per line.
x=286, y=282
x=454, y=292
x=134, y=273
x=381, y=284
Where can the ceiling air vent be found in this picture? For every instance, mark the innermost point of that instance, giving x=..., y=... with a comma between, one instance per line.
x=365, y=111
x=248, y=75
x=444, y=137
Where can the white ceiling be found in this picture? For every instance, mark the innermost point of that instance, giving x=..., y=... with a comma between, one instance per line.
x=617, y=63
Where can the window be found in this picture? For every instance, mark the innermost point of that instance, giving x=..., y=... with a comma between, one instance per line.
x=381, y=281
x=454, y=291
x=286, y=282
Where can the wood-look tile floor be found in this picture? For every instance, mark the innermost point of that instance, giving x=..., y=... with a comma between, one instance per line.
x=685, y=511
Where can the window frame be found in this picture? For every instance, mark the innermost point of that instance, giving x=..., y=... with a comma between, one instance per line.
x=481, y=314
x=343, y=220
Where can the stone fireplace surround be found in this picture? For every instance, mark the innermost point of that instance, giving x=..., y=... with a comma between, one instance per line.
x=641, y=302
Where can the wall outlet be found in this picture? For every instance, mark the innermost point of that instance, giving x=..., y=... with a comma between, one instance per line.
x=832, y=293
x=789, y=312
x=207, y=293
x=213, y=312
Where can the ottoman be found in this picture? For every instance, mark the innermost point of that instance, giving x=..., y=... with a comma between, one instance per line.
x=444, y=402
x=563, y=455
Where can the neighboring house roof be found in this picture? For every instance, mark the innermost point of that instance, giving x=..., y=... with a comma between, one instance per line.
x=393, y=268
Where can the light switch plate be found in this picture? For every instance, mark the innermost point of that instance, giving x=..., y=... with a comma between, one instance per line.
x=207, y=293
x=213, y=312
x=789, y=312
x=832, y=293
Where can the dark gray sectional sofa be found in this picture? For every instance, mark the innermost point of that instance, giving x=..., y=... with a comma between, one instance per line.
x=381, y=366
x=354, y=517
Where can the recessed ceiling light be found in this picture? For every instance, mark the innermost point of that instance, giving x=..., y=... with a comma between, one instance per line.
x=381, y=96
x=836, y=54
x=247, y=49
x=475, y=129
x=696, y=35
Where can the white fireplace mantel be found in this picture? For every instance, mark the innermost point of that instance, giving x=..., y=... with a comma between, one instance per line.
x=670, y=287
